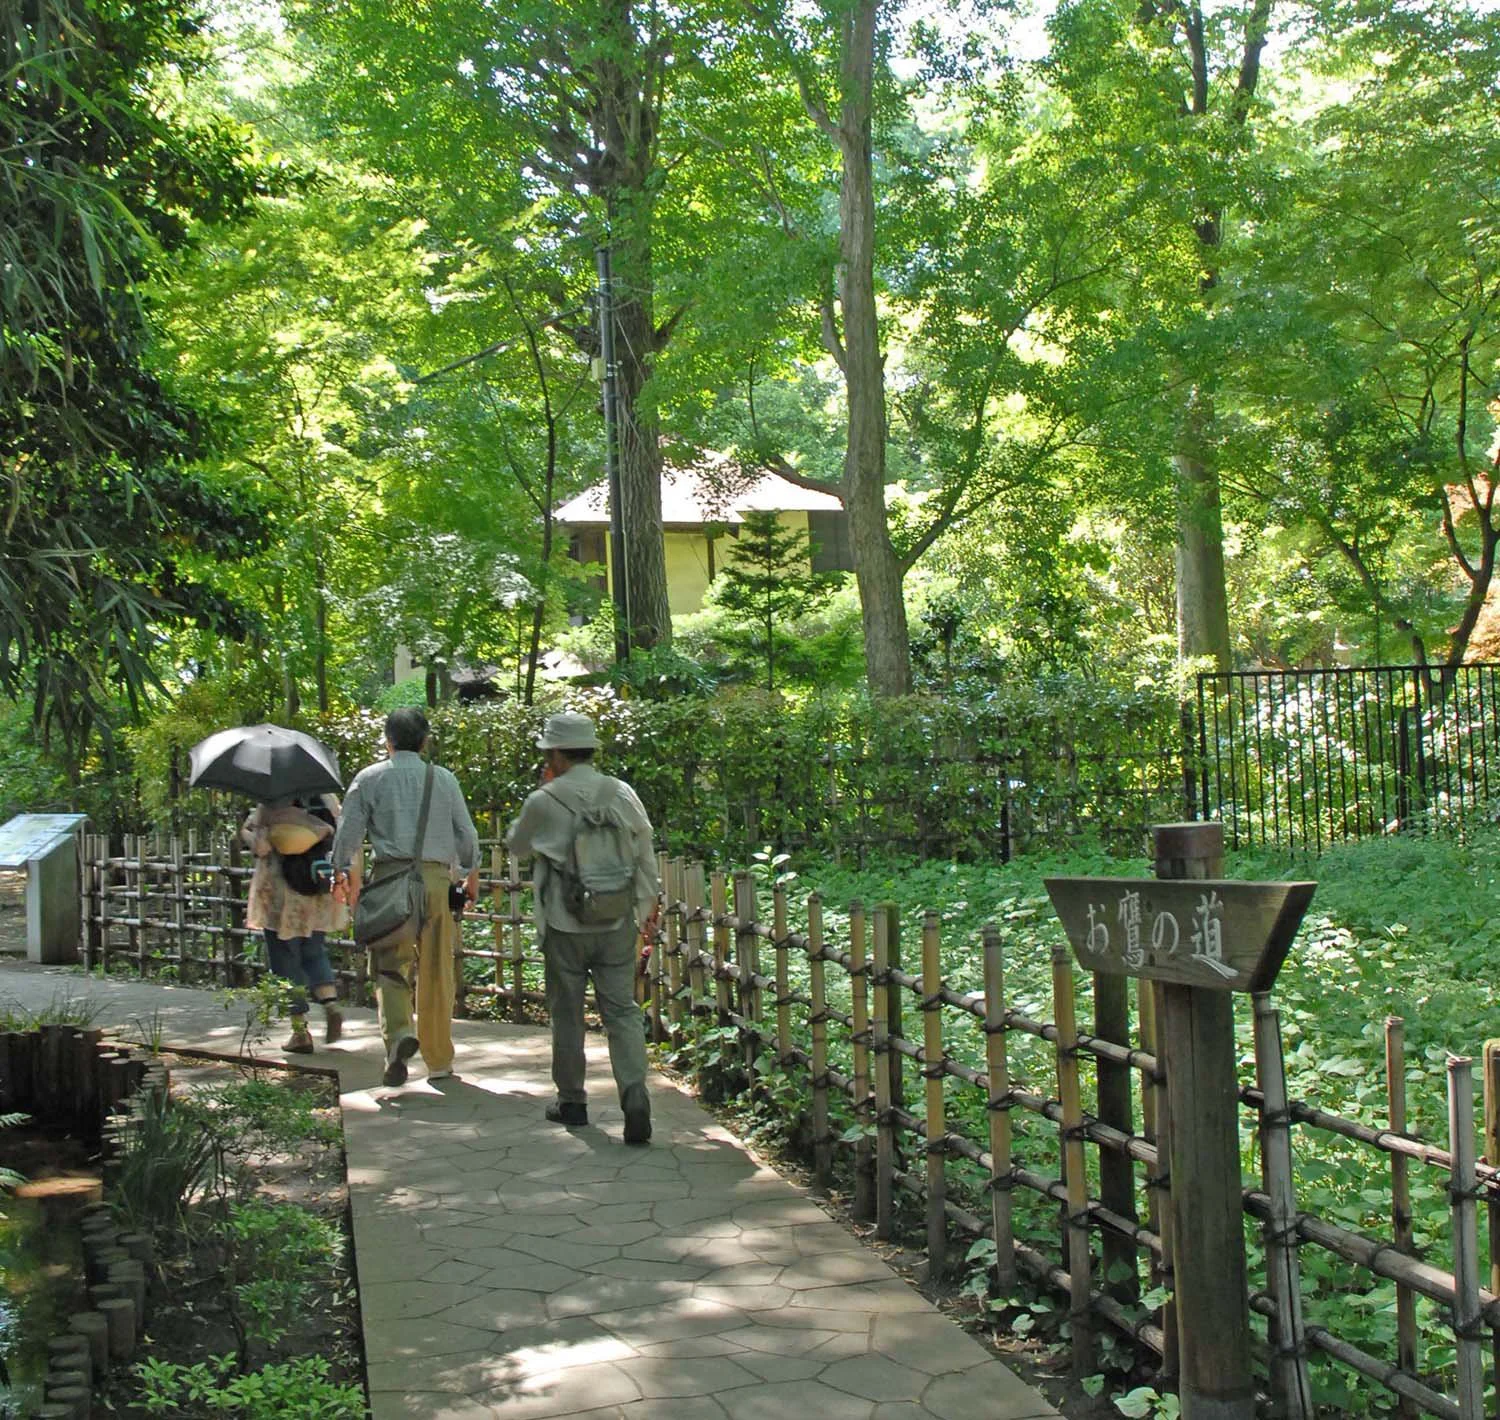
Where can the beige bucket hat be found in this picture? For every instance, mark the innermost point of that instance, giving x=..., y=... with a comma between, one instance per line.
x=568, y=730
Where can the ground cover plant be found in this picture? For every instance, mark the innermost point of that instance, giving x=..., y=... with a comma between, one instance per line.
x=238, y=1175
x=1403, y=926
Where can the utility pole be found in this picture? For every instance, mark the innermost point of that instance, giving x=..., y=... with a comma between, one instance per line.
x=619, y=578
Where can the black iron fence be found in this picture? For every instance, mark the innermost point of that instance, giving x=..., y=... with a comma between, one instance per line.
x=1306, y=758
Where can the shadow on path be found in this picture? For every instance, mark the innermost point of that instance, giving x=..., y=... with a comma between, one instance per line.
x=510, y=1269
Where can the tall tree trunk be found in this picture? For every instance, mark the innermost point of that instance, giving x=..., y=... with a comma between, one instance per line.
x=876, y=567
x=626, y=175
x=320, y=613
x=647, y=607
x=1202, y=596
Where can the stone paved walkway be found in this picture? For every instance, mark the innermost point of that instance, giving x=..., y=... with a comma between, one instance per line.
x=512, y=1270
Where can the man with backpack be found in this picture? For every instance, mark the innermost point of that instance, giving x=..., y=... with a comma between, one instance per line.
x=596, y=880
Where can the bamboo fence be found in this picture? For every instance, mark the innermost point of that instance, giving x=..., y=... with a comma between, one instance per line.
x=883, y=1080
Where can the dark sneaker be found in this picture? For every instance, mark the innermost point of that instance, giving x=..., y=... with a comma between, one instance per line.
x=402, y=1049
x=334, y=1026
x=568, y=1112
x=300, y=1042
x=637, y=1126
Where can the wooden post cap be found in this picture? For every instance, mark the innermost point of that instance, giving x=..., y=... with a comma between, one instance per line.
x=1187, y=840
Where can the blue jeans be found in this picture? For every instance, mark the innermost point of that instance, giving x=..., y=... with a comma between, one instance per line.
x=304, y=962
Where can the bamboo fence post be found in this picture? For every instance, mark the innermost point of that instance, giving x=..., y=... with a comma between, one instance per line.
x=191, y=873
x=859, y=998
x=880, y=1047
x=130, y=870
x=1401, y=1214
x=231, y=893
x=497, y=924
x=517, y=939
x=1118, y=1257
x=744, y=960
x=92, y=876
x=1155, y=1125
x=656, y=965
x=1002, y=1176
x=818, y=1024
x=895, y=1006
x=1284, y=1274
x=933, y=1073
x=783, y=975
x=148, y=849
x=179, y=906
x=694, y=895
x=1461, y=1191
x=1075, y=1177
x=719, y=895
x=1491, y=1069
x=673, y=919
x=106, y=896
x=757, y=1005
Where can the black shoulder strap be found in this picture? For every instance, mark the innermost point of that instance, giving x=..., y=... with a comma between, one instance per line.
x=416, y=851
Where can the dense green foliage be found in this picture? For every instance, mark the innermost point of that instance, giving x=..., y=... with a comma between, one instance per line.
x=106, y=519
x=720, y=775
x=1386, y=935
x=765, y=585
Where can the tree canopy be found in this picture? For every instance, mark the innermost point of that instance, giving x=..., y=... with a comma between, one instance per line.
x=1196, y=307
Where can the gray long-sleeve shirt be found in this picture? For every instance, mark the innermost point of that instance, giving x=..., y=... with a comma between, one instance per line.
x=383, y=804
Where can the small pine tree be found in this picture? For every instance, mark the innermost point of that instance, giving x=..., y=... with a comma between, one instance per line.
x=767, y=583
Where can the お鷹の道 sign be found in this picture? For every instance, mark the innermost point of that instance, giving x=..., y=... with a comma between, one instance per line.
x=1208, y=933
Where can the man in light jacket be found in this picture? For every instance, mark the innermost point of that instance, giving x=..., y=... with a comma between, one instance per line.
x=574, y=952
x=384, y=804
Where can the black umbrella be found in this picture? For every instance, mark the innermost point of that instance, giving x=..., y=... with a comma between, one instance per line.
x=264, y=761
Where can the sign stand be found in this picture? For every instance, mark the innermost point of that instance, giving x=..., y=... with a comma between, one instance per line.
x=47, y=846
x=1198, y=938
x=1213, y=1309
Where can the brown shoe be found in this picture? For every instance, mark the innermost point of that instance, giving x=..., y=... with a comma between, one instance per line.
x=334, y=1029
x=300, y=1042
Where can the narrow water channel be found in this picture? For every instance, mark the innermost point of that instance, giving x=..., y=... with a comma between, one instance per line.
x=41, y=1272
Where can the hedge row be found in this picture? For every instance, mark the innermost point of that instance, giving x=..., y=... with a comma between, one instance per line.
x=838, y=774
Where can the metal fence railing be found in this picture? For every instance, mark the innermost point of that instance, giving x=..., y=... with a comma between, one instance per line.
x=1306, y=758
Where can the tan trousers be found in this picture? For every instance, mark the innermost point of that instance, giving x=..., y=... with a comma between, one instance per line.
x=429, y=965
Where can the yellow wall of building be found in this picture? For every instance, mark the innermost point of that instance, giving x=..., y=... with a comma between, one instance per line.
x=687, y=562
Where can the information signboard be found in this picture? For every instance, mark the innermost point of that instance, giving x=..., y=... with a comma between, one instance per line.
x=1216, y=933
x=29, y=836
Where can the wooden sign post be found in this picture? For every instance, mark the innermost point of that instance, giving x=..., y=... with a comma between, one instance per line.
x=1201, y=937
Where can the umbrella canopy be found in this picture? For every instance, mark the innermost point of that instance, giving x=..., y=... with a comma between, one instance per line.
x=264, y=761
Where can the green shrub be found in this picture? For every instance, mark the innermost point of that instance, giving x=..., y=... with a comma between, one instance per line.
x=213, y=1388
x=411, y=690
x=280, y=1259
x=722, y=772
x=171, y=1156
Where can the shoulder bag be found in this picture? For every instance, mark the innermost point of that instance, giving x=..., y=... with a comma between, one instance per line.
x=392, y=906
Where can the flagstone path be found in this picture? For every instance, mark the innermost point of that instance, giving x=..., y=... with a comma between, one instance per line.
x=513, y=1270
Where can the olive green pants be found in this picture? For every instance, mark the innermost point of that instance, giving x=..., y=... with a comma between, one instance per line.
x=571, y=959
x=428, y=966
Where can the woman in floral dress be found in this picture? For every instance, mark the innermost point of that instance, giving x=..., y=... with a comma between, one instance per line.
x=296, y=923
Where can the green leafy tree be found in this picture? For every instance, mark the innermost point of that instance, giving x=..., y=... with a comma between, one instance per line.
x=1370, y=416
x=768, y=583
x=104, y=514
x=560, y=122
